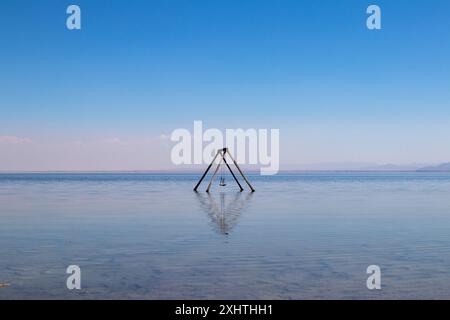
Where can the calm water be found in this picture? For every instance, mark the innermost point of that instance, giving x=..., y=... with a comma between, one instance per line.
x=298, y=236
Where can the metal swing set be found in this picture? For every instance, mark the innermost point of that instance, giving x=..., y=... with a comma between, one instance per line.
x=222, y=183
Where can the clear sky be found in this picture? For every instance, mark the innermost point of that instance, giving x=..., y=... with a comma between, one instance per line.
x=106, y=97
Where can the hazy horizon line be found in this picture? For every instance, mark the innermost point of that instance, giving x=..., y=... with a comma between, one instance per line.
x=196, y=171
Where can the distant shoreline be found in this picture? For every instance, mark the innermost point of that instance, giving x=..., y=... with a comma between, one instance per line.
x=201, y=171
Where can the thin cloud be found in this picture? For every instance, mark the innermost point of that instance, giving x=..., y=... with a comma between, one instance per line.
x=14, y=140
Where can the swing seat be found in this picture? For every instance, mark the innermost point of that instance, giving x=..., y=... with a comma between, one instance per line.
x=222, y=182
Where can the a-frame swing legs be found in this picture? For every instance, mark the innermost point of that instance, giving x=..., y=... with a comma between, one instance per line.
x=232, y=173
x=215, y=172
x=240, y=171
x=206, y=172
x=222, y=153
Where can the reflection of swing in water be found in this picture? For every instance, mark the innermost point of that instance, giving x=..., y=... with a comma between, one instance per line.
x=225, y=216
x=223, y=152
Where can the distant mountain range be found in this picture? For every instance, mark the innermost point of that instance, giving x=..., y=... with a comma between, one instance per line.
x=439, y=168
x=355, y=166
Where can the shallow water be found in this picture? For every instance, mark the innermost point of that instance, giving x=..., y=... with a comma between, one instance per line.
x=299, y=236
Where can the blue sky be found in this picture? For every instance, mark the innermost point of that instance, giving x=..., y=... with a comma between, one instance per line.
x=140, y=69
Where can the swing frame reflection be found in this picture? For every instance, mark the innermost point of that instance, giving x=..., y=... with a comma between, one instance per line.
x=224, y=216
